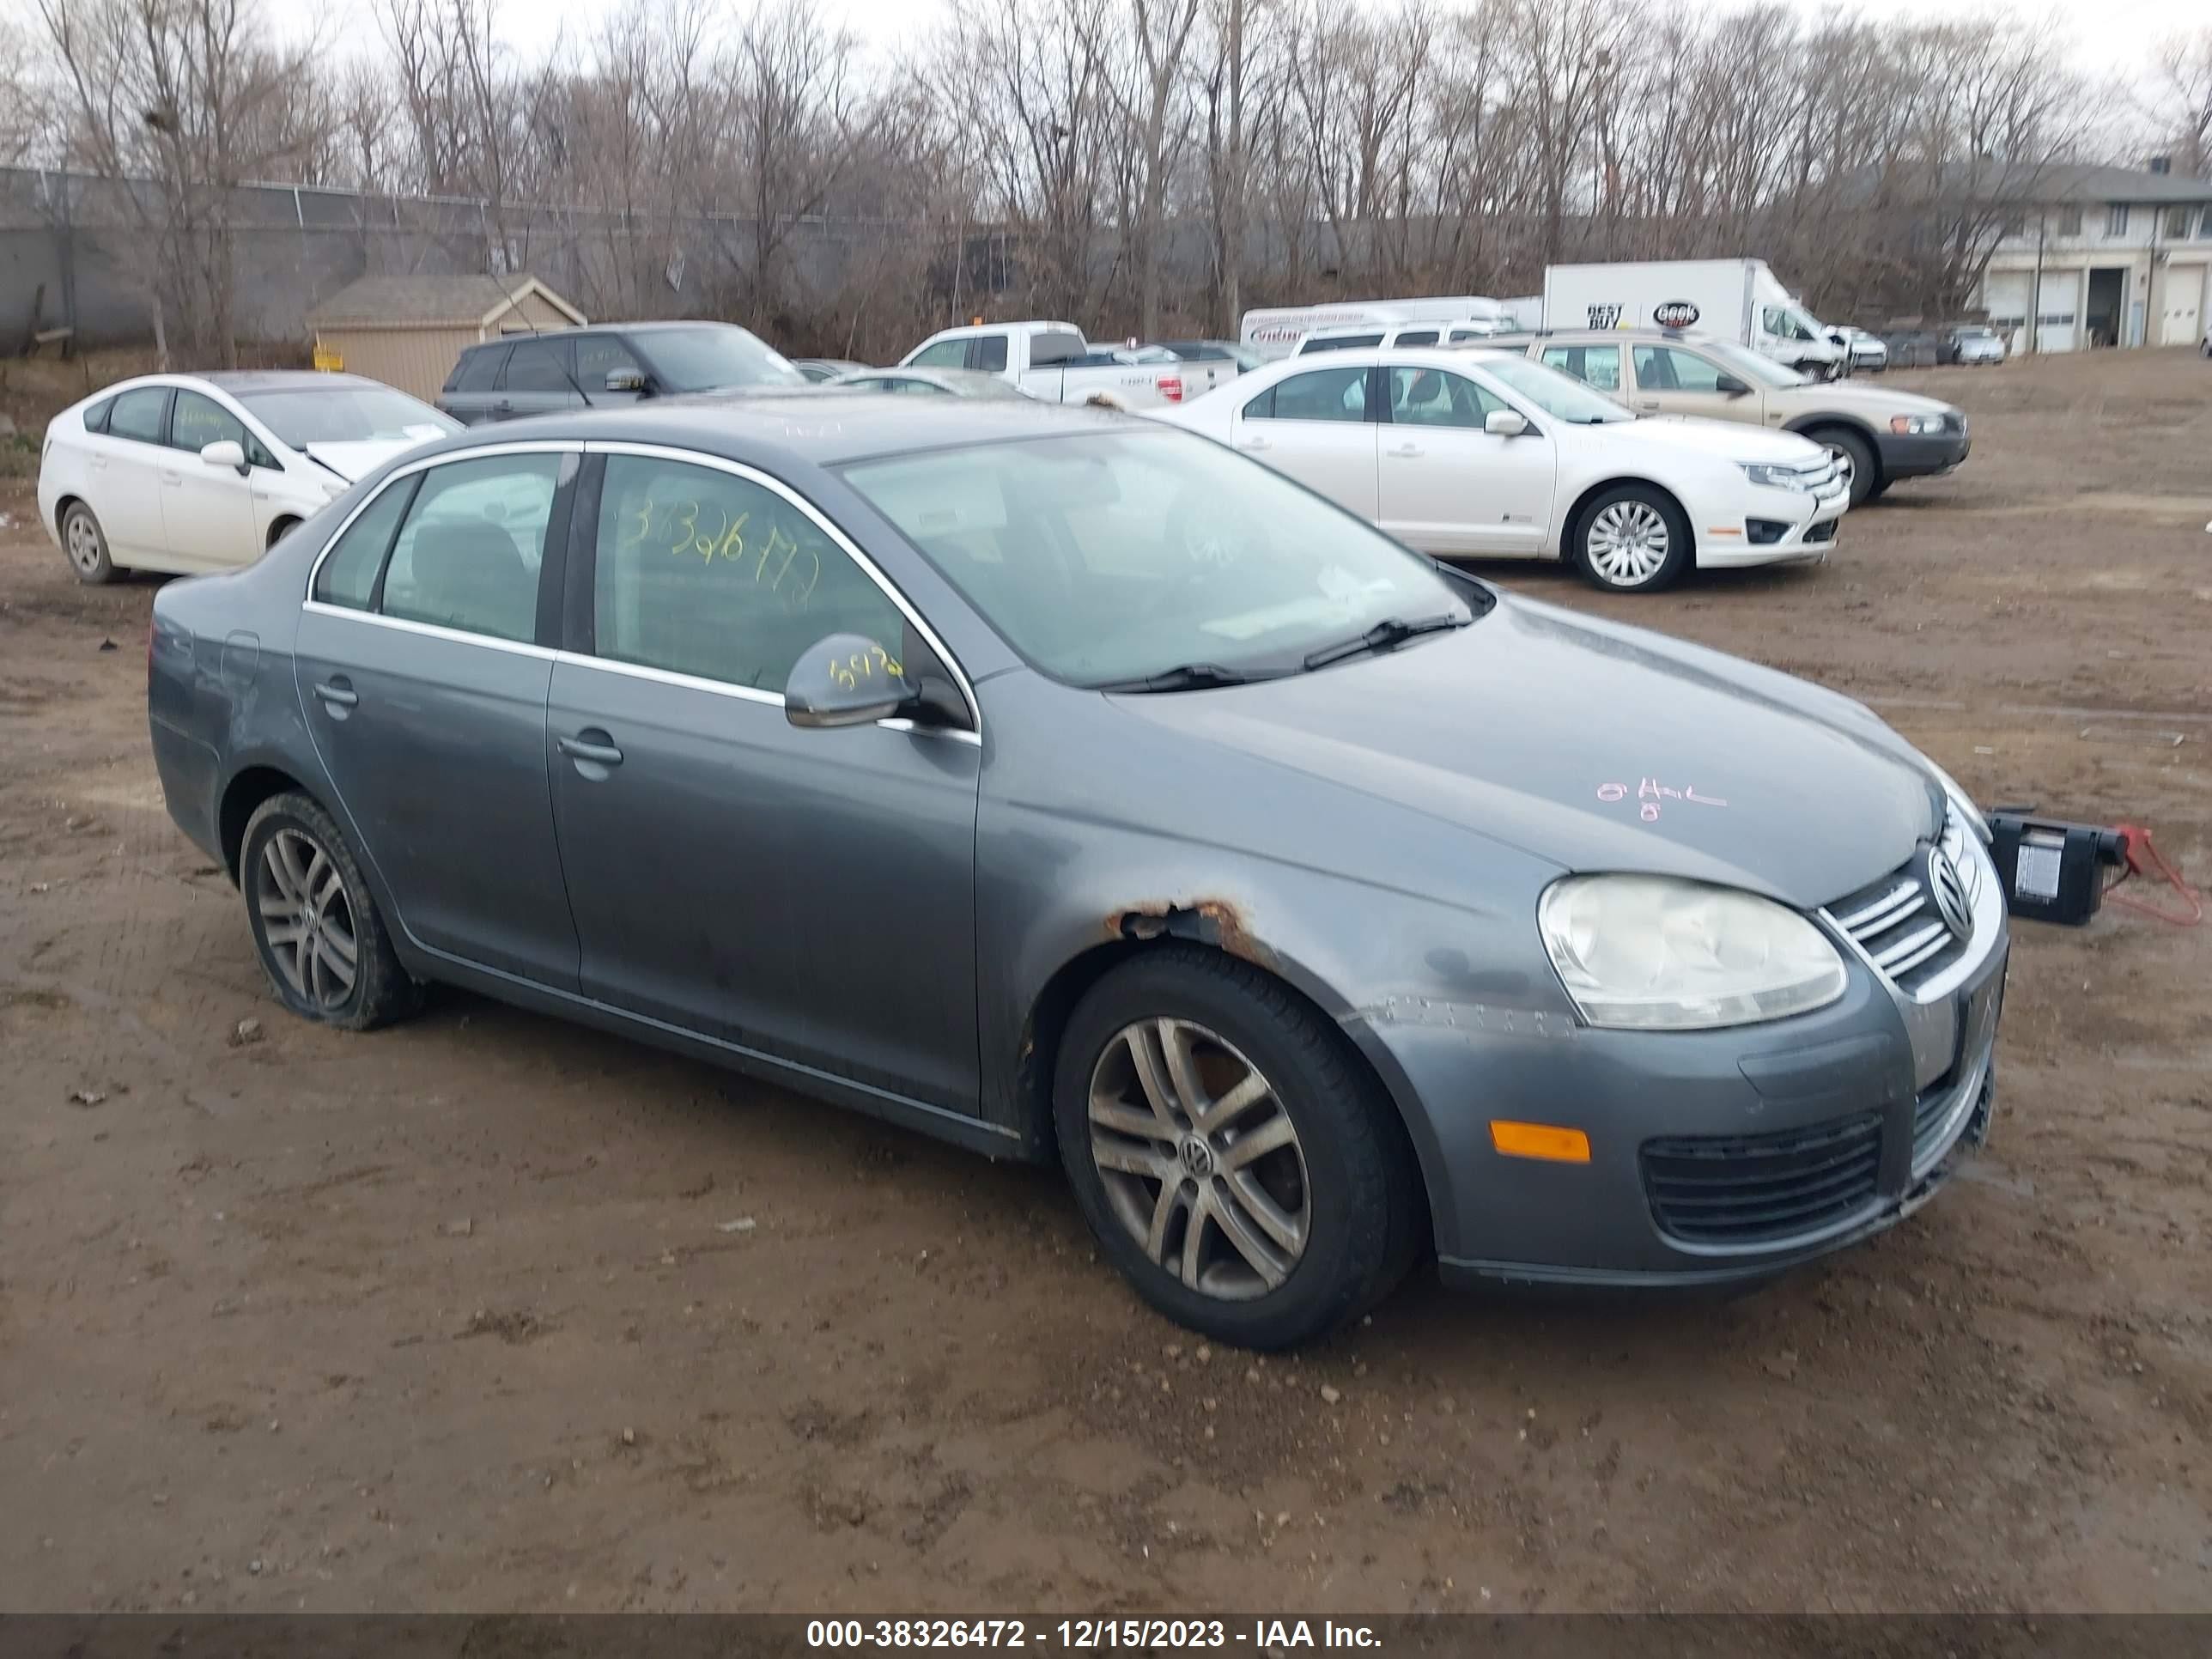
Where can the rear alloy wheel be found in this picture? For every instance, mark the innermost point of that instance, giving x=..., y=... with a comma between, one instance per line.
x=315, y=922
x=86, y=544
x=1234, y=1158
x=1631, y=539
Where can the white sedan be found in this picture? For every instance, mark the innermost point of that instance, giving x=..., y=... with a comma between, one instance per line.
x=1464, y=454
x=187, y=472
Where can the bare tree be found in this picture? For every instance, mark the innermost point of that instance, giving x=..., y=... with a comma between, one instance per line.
x=2180, y=101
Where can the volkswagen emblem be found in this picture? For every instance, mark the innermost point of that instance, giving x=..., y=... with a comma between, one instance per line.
x=1949, y=893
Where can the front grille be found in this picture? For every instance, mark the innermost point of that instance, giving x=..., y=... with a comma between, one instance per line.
x=1755, y=1189
x=1895, y=921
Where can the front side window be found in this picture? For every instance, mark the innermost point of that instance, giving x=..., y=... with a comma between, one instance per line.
x=1555, y=393
x=469, y=552
x=1663, y=368
x=1108, y=557
x=1429, y=396
x=347, y=575
x=702, y=572
x=990, y=354
x=599, y=356
x=537, y=366
x=1321, y=394
x=198, y=421
x=706, y=356
x=1597, y=365
x=138, y=415
x=946, y=353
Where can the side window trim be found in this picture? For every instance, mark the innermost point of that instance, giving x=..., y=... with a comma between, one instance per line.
x=550, y=568
x=583, y=574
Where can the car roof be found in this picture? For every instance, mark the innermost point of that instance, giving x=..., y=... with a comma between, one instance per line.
x=663, y=326
x=821, y=426
x=240, y=382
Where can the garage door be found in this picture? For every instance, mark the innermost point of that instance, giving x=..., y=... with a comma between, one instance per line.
x=2182, y=304
x=2004, y=296
x=2058, y=313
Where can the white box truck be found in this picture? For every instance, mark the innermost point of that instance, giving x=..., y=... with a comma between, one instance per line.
x=1276, y=330
x=1738, y=300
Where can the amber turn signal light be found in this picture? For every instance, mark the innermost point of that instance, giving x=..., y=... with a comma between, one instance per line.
x=1544, y=1140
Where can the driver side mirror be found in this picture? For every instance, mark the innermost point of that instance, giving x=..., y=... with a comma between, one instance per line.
x=1728, y=387
x=227, y=451
x=627, y=379
x=1505, y=423
x=845, y=679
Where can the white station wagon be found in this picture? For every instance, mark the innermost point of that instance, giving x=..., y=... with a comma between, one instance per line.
x=189, y=472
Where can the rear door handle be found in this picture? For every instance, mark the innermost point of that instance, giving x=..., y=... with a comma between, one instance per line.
x=172, y=477
x=337, y=691
x=1651, y=404
x=1253, y=443
x=591, y=745
x=1406, y=452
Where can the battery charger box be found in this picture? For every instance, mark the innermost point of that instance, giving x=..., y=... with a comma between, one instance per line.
x=2052, y=872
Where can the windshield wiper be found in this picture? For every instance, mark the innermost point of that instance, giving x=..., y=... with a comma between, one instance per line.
x=1391, y=630
x=1183, y=677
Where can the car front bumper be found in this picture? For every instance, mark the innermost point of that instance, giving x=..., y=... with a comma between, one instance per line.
x=1808, y=529
x=1864, y=1108
x=1922, y=456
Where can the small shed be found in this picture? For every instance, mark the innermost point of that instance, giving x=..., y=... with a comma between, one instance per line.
x=408, y=330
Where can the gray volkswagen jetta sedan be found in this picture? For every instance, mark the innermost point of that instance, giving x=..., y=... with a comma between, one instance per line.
x=1067, y=786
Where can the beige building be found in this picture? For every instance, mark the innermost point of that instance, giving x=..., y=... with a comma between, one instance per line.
x=408, y=331
x=2107, y=256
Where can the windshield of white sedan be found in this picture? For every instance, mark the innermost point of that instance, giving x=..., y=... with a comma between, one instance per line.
x=340, y=414
x=1112, y=559
x=1556, y=393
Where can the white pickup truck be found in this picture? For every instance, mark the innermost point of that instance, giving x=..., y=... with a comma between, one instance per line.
x=1052, y=361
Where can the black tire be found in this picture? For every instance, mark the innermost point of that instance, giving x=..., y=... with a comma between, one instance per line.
x=1361, y=1186
x=84, y=545
x=1679, y=553
x=381, y=990
x=1867, y=481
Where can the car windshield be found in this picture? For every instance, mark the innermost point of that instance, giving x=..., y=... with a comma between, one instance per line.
x=1110, y=558
x=1750, y=366
x=1975, y=334
x=1555, y=393
x=712, y=355
x=341, y=413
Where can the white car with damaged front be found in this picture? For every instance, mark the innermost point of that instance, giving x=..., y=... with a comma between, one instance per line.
x=178, y=473
x=1487, y=453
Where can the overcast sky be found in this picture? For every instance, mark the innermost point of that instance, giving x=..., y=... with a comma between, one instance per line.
x=2110, y=36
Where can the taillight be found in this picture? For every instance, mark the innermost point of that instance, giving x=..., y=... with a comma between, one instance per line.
x=1171, y=388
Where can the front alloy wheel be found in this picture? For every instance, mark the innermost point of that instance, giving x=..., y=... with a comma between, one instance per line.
x=1201, y=1163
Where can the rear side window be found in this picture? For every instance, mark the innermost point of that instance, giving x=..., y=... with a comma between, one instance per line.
x=139, y=415
x=990, y=354
x=348, y=576
x=1325, y=394
x=1593, y=365
x=96, y=418
x=702, y=572
x=479, y=369
x=537, y=366
x=469, y=553
x=1339, y=342
x=1413, y=336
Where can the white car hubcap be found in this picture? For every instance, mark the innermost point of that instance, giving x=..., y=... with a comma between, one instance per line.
x=83, y=543
x=1627, y=543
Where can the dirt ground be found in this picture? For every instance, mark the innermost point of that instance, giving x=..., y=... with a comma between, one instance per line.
x=467, y=1314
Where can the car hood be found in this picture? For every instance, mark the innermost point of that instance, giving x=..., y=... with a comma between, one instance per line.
x=1730, y=441
x=1877, y=404
x=1595, y=747
x=355, y=461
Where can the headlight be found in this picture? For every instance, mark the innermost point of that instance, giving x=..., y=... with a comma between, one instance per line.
x=1771, y=477
x=1961, y=802
x=1916, y=426
x=1651, y=953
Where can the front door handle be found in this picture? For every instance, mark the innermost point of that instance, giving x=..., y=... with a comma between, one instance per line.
x=590, y=746
x=1253, y=443
x=337, y=691
x=172, y=477
x=504, y=406
x=1651, y=404
x=1406, y=452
